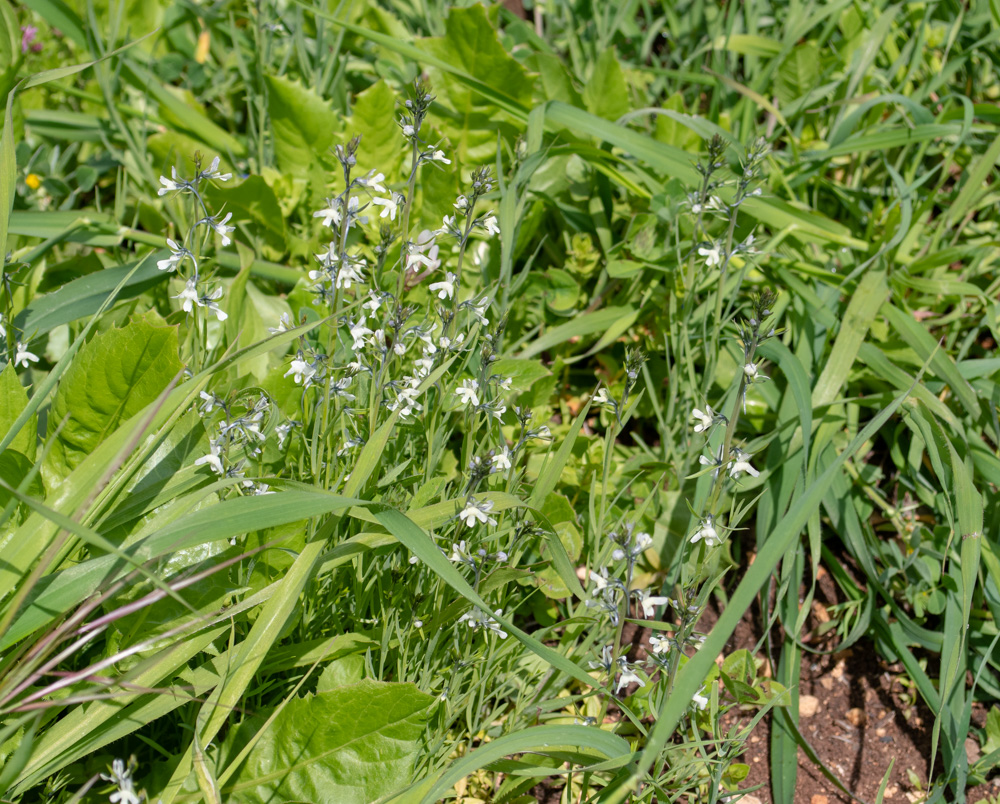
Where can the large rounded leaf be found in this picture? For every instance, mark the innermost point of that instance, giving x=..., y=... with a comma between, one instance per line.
x=351, y=745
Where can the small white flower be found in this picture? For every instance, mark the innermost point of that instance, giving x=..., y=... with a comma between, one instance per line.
x=359, y=332
x=284, y=324
x=214, y=457
x=210, y=302
x=445, y=289
x=627, y=677
x=603, y=398
x=741, y=463
x=649, y=604
x=713, y=255
x=438, y=156
x=699, y=700
x=477, y=512
x=490, y=224
x=705, y=418
x=468, y=392
x=461, y=203
x=659, y=644
x=499, y=411
x=189, y=295
x=177, y=255
x=171, y=184
x=301, y=370
x=600, y=580
x=751, y=371
x=213, y=172
x=373, y=181
x=478, y=618
x=706, y=530
x=22, y=356
x=390, y=205
x=220, y=227
x=501, y=460
x=408, y=131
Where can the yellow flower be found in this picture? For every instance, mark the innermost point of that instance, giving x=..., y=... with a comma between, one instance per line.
x=33, y=181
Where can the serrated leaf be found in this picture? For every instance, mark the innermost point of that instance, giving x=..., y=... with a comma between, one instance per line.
x=302, y=124
x=111, y=379
x=470, y=44
x=606, y=93
x=351, y=745
x=373, y=117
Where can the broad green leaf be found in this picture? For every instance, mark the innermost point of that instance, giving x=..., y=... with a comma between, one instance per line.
x=302, y=124
x=13, y=400
x=798, y=73
x=112, y=378
x=470, y=45
x=252, y=202
x=351, y=745
x=373, y=117
x=606, y=93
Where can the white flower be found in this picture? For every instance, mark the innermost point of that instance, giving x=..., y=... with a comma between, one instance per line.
x=282, y=431
x=490, y=224
x=706, y=530
x=479, y=311
x=177, y=255
x=445, y=289
x=213, y=172
x=603, y=398
x=220, y=227
x=660, y=645
x=649, y=604
x=741, y=463
x=627, y=677
x=214, y=457
x=499, y=411
x=438, y=156
x=408, y=131
x=359, y=332
x=468, y=391
x=171, y=184
x=330, y=213
x=477, y=512
x=373, y=303
x=347, y=274
x=461, y=203
x=600, y=579
x=477, y=618
x=705, y=419
x=501, y=460
x=301, y=370
x=390, y=205
x=284, y=324
x=373, y=181
x=699, y=700
x=189, y=295
x=209, y=301
x=22, y=356
x=713, y=255
x=415, y=252
x=751, y=372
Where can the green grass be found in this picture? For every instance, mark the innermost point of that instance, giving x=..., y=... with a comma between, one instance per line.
x=153, y=608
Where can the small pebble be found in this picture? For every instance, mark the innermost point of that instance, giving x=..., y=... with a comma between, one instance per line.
x=857, y=717
x=808, y=705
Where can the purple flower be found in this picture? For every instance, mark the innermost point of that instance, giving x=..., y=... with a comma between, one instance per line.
x=28, y=33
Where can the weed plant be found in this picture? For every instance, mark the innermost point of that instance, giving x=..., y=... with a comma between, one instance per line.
x=382, y=413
